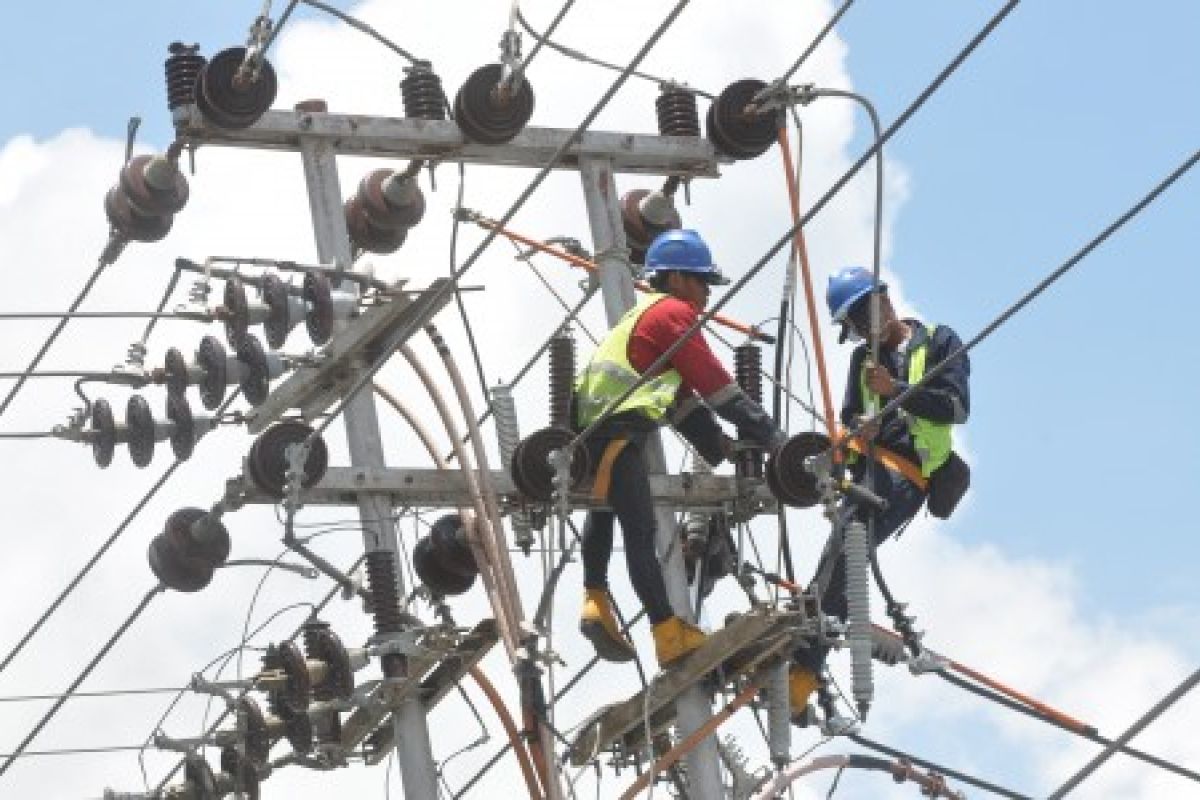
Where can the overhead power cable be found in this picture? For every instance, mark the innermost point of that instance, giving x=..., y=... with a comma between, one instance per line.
x=105, y=260
x=921, y=762
x=137, y=612
x=816, y=42
x=116, y=534
x=1154, y=713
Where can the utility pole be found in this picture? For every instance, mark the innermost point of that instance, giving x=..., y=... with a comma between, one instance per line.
x=693, y=708
x=413, y=748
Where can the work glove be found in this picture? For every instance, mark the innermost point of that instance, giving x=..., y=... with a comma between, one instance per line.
x=735, y=406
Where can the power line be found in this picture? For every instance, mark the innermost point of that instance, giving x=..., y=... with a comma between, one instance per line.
x=137, y=612
x=921, y=762
x=1154, y=713
x=116, y=534
x=820, y=37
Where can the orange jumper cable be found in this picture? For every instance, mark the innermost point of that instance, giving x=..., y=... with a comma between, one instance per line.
x=510, y=727
x=809, y=299
x=590, y=266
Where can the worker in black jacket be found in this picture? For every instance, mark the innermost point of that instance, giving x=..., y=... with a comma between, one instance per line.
x=913, y=441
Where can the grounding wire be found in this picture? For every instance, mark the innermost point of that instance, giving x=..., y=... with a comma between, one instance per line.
x=462, y=309
x=363, y=27
x=87, y=670
x=820, y=37
x=1142, y=722
x=1045, y=283
x=578, y=55
x=438, y=294
x=837, y=186
x=920, y=762
x=544, y=38
x=137, y=509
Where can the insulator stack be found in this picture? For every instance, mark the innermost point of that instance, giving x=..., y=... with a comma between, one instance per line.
x=488, y=111
x=380, y=213
x=141, y=207
x=562, y=378
x=231, y=96
x=192, y=545
x=313, y=630
x=422, y=93
x=779, y=717
x=182, y=68
x=443, y=559
x=676, y=110
x=858, y=606
x=695, y=526
x=747, y=367
x=508, y=434
x=734, y=132
x=385, y=589
x=644, y=215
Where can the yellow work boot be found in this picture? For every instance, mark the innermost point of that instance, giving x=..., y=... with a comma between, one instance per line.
x=598, y=624
x=801, y=684
x=674, y=639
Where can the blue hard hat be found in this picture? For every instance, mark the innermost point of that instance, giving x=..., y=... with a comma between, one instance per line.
x=846, y=288
x=683, y=251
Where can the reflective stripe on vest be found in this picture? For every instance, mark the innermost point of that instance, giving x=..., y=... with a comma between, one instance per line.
x=931, y=440
x=609, y=375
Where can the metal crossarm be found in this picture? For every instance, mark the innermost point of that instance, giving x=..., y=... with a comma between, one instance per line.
x=384, y=137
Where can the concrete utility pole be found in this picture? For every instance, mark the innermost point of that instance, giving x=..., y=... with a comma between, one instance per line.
x=693, y=708
x=413, y=748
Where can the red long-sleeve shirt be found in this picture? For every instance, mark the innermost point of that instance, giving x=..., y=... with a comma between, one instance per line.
x=659, y=327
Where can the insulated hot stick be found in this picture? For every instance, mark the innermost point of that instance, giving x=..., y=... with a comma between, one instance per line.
x=467, y=215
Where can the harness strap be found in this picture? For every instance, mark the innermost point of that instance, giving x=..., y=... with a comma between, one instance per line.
x=604, y=472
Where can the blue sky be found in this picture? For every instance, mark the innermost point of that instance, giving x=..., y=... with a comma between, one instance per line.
x=1084, y=457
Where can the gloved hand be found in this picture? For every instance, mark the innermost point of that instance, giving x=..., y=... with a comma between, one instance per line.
x=735, y=406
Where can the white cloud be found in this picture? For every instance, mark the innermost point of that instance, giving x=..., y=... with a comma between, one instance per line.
x=1018, y=618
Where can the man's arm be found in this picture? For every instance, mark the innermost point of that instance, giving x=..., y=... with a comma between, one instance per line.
x=946, y=397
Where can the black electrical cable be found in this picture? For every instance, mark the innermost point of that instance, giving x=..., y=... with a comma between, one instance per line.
x=462, y=309
x=37, y=728
x=838, y=185
x=79, y=576
x=816, y=42
x=578, y=55
x=920, y=762
x=363, y=27
x=1090, y=735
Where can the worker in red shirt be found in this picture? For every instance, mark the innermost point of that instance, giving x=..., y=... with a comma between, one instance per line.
x=684, y=393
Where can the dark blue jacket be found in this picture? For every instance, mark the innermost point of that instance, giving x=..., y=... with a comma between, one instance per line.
x=945, y=398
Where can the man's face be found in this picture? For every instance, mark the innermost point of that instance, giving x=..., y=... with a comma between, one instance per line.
x=858, y=318
x=690, y=289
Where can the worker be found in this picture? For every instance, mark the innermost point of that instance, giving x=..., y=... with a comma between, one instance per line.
x=919, y=460
x=684, y=393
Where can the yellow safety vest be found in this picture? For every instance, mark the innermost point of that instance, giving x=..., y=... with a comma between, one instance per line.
x=609, y=375
x=932, y=440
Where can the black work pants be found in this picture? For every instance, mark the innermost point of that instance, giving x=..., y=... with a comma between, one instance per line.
x=904, y=500
x=633, y=504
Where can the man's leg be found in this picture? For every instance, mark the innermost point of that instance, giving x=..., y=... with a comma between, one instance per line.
x=596, y=548
x=630, y=497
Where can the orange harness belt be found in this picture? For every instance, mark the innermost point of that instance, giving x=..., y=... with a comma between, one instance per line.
x=604, y=472
x=892, y=461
